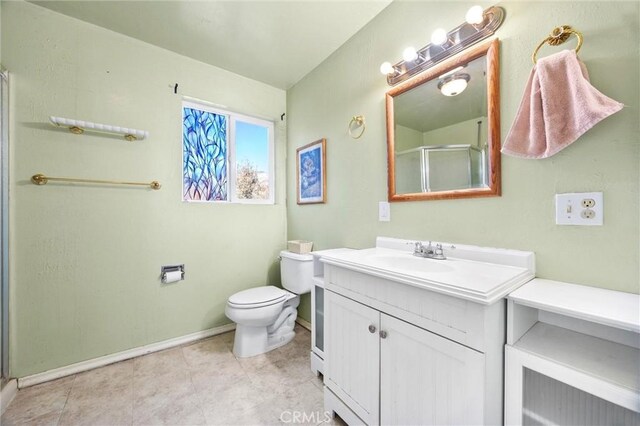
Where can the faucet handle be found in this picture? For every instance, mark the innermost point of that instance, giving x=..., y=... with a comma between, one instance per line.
x=418, y=248
x=438, y=252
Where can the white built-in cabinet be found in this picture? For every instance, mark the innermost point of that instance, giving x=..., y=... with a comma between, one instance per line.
x=400, y=355
x=572, y=355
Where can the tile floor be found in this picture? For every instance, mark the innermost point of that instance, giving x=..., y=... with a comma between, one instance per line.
x=197, y=384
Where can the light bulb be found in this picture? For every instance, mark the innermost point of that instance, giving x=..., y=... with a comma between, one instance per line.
x=409, y=54
x=454, y=87
x=386, y=68
x=439, y=37
x=475, y=15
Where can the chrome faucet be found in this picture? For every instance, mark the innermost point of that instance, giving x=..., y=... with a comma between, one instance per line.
x=429, y=251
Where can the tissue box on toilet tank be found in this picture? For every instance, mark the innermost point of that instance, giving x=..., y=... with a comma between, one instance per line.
x=299, y=246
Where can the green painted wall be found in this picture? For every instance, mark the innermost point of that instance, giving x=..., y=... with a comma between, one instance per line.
x=86, y=260
x=605, y=159
x=407, y=138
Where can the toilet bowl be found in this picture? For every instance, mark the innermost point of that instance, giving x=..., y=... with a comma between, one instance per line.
x=265, y=316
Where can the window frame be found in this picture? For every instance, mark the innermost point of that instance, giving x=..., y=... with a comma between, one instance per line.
x=231, y=161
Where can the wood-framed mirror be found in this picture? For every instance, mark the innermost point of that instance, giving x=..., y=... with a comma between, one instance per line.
x=443, y=129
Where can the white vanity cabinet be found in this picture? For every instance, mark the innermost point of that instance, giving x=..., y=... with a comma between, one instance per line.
x=393, y=373
x=399, y=350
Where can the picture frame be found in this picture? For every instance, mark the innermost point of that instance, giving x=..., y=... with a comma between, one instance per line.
x=311, y=173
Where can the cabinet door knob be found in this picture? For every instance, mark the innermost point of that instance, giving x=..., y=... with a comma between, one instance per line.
x=383, y=334
x=372, y=329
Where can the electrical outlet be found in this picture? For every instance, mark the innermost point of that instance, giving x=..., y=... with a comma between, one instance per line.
x=580, y=209
x=587, y=214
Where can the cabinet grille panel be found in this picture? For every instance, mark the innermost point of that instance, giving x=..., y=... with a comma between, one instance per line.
x=547, y=401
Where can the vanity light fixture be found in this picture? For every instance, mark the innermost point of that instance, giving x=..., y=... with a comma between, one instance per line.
x=454, y=84
x=479, y=24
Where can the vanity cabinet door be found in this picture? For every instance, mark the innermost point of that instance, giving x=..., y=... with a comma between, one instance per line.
x=352, y=361
x=426, y=379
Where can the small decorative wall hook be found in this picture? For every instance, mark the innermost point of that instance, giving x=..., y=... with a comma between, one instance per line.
x=175, y=89
x=282, y=116
x=357, y=121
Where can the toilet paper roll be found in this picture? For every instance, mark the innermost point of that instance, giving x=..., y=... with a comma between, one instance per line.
x=172, y=277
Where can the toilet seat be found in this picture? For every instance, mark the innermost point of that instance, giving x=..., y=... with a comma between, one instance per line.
x=257, y=297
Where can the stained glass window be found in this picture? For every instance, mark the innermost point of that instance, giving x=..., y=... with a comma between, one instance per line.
x=204, y=150
x=226, y=156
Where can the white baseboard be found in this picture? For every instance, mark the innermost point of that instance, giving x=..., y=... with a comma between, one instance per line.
x=90, y=364
x=304, y=323
x=9, y=391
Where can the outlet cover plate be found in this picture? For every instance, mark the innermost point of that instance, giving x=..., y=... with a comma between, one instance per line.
x=384, y=211
x=570, y=209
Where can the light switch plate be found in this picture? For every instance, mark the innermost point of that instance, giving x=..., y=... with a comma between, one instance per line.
x=581, y=208
x=384, y=211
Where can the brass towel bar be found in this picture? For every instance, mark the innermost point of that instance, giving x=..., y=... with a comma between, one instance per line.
x=558, y=36
x=41, y=179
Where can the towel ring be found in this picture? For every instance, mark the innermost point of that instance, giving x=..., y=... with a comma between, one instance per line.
x=558, y=36
x=359, y=120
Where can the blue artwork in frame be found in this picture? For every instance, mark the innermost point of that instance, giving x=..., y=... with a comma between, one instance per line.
x=311, y=173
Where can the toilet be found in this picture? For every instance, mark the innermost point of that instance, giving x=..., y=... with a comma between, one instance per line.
x=265, y=316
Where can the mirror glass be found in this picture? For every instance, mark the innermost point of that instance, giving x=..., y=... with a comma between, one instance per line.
x=443, y=130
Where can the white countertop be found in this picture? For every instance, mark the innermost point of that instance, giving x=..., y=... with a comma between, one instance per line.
x=481, y=282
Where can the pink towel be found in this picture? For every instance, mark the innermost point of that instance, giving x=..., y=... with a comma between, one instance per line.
x=558, y=106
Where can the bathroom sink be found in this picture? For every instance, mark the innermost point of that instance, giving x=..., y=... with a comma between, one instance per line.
x=411, y=263
x=476, y=273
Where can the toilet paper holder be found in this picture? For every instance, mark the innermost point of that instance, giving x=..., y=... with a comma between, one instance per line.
x=171, y=268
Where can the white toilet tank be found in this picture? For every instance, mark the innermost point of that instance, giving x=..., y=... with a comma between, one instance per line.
x=296, y=272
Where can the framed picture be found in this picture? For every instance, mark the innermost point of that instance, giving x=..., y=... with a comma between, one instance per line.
x=311, y=173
